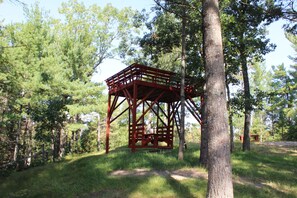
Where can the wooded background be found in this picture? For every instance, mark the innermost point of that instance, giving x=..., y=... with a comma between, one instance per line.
x=49, y=103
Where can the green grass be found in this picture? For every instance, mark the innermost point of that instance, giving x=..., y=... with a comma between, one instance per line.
x=272, y=168
x=266, y=172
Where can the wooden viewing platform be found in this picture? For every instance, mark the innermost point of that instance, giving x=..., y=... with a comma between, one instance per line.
x=147, y=78
x=145, y=89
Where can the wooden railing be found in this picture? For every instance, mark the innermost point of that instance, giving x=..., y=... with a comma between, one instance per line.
x=147, y=74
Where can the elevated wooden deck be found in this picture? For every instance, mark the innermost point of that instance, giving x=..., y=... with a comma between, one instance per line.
x=150, y=90
x=148, y=78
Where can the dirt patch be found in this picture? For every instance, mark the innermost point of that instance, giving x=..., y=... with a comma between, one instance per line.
x=282, y=147
x=244, y=181
x=105, y=193
x=281, y=144
x=187, y=173
x=138, y=172
x=180, y=174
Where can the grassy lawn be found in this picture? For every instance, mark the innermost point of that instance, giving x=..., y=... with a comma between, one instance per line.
x=263, y=172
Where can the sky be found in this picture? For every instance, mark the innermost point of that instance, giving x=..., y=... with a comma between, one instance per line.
x=11, y=11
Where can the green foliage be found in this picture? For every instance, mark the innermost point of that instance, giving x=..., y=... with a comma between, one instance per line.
x=244, y=35
x=260, y=81
x=286, y=9
x=274, y=108
x=161, y=45
x=245, y=42
x=88, y=141
x=46, y=67
x=282, y=99
x=292, y=112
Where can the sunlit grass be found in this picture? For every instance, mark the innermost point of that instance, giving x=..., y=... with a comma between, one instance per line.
x=264, y=173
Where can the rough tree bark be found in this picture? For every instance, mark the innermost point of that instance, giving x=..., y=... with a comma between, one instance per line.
x=219, y=165
x=62, y=141
x=27, y=143
x=182, y=92
x=246, y=85
x=247, y=102
x=53, y=140
x=230, y=117
x=204, y=135
x=16, y=146
x=98, y=133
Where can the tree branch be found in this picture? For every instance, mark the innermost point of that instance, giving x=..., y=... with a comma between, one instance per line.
x=18, y=1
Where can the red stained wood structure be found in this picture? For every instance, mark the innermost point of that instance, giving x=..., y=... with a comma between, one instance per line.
x=153, y=101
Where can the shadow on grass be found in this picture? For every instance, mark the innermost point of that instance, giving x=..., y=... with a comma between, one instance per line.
x=91, y=175
x=264, y=166
x=248, y=191
x=274, y=172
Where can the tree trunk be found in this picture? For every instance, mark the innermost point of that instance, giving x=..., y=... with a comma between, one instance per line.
x=16, y=146
x=61, y=142
x=53, y=144
x=17, y=140
x=230, y=117
x=30, y=139
x=27, y=143
x=204, y=135
x=98, y=134
x=246, y=85
x=182, y=92
x=247, y=101
x=43, y=153
x=57, y=143
x=219, y=165
x=71, y=142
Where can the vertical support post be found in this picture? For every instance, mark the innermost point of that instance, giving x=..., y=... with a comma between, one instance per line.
x=143, y=109
x=168, y=135
x=129, y=128
x=202, y=101
x=108, y=125
x=157, y=127
x=43, y=153
x=134, y=106
x=157, y=115
x=143, y=125
x=168, y=114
